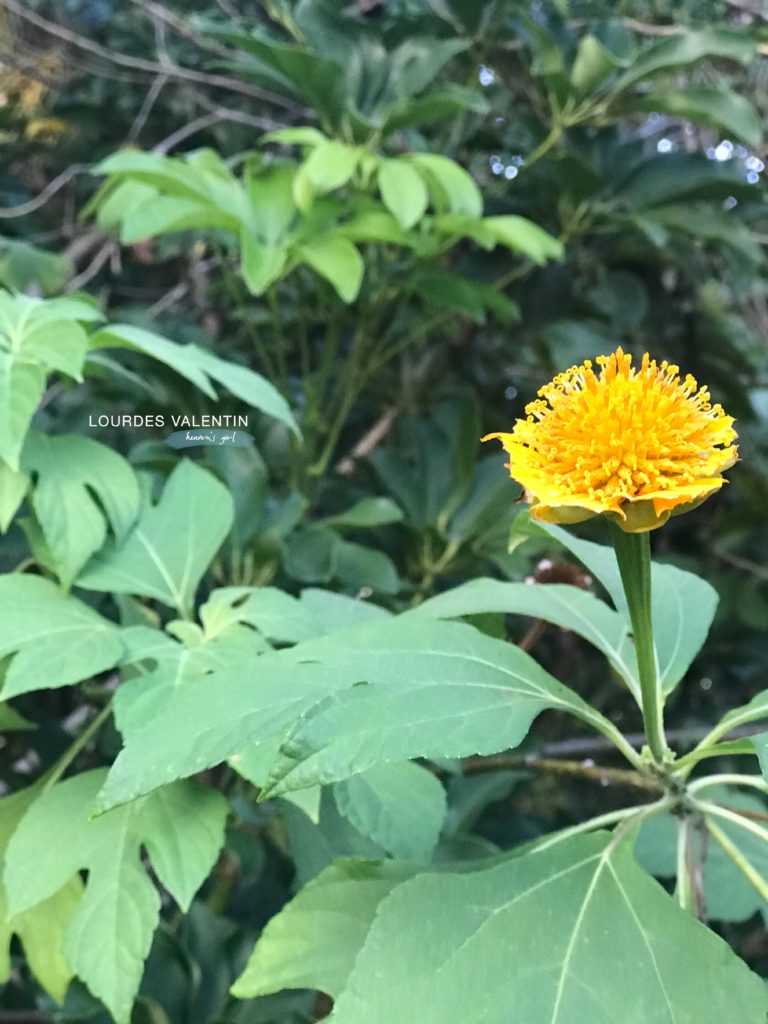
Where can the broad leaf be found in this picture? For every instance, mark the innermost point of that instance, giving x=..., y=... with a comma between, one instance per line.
x=718, y=107
x=433, y=689
x=687, y=48
x=295, y=951
x=41, y=928
x=54, y=639
x=678, y=633
x=201, y=367
x=109, y=935
x=437, y=690
x=13, y=487
x=530, y=940
x=77, y=478
x=403, y=191
x=172, y=544
x=400, y=806
x=565, y=606
x=37, y=336
x=337, y=260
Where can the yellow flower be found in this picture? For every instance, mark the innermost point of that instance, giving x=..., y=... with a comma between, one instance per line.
x=636, y=444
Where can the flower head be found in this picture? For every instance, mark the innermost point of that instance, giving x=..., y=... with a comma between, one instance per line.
x=636, y=444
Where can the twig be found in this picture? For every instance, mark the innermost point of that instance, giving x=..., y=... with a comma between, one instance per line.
x=371, y=439
x=146, y=107
x=578, y=769
x=207, y=121
x=161, y=13
x=741, y=563
x=98, y=261
x=149, y=66
x=50, y=189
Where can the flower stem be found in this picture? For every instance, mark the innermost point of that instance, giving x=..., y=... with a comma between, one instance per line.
x=633, y=553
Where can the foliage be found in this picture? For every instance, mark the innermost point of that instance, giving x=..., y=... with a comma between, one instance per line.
x=307, y=727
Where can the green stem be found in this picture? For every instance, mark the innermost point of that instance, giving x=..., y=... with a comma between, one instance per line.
x=77, y=746
x=729, y=779
x=633, y=553
x=685, y=892
x=734, y=853
x=715, y=810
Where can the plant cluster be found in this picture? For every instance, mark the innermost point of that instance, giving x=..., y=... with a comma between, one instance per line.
x=325, y=724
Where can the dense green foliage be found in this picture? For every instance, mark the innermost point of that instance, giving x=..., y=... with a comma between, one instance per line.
x=324, y=725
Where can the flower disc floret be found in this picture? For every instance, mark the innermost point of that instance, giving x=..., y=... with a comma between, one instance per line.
x=635, y=444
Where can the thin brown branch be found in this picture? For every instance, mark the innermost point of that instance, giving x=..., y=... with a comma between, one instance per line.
x=50, y=190
x=575, y=769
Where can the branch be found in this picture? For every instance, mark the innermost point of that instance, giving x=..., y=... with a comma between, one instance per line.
x=140, y=64
x=50, y=189
x=577, y=769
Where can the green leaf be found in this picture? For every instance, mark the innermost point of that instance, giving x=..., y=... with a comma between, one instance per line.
x=447, y=290
x=337, y=260
x=359, y=566
x=433, y=689
x=718, y=107
x=430, y=690
x=13, y=487
x=275, y=614
x=675, y=177
x=366, y=513
x=294, y=950
x=451, y=186
x=12, y=721
x=109, y=935
x=566, y=606
x=55, y=639
x=172, y=544
x=450, y=101
x=524, y=236
x=21, y=388
x=688, y=48
x=262, y=264
x=400, y=806
x=678, y=634
x=403, y=191
x=80, y=486
x=593, y=64
x=529, y=939
x=200, y=366
x=41, y=928
x=329, y=166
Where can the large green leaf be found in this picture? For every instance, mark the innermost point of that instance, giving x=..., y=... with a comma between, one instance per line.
x=403, y=191
x=172, y=544
x=201, y=367
x=535, y=939
x=80, y=485
x=687, y=48
x=295, y=951
x=54, y=639
x=13, y=487
x=37, y=336
x=109, y=935
x=679, y=633
x=41, y=928
x=400, y=806
x=565, y=606
x=337, y=260
x=437, y=690
x=703, y=104
x=432, y=689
